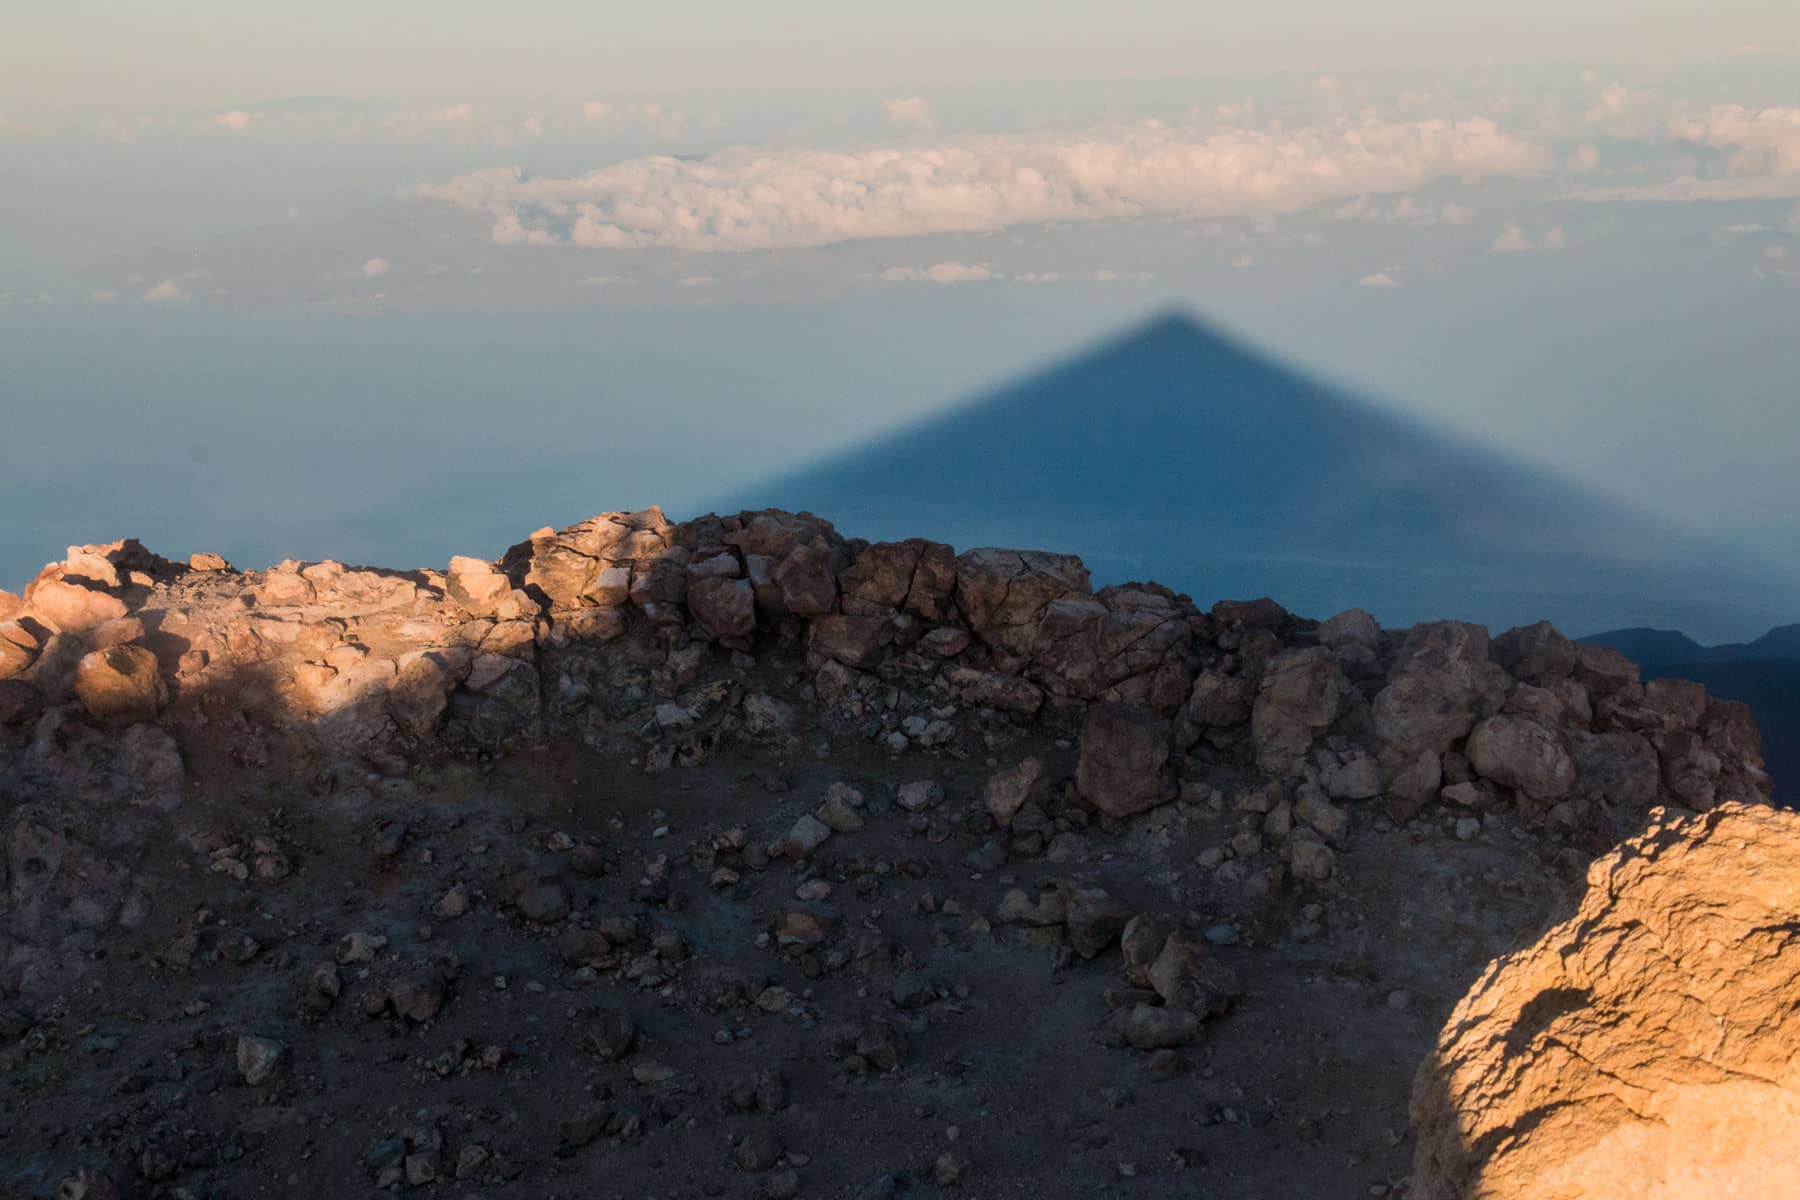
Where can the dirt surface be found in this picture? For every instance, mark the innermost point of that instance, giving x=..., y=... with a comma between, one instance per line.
x=923, y=1048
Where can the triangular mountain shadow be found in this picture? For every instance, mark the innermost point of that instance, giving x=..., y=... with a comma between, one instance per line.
x=1176, y=454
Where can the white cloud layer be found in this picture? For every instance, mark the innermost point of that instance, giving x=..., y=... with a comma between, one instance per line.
x=165, y=292
x=747, y=199
x=1514, y=240
x=944, y=272
x=913, y=110
x=1380, y=279
x=1761, y=141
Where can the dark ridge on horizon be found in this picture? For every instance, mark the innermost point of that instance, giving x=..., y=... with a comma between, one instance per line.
x=1175, y=452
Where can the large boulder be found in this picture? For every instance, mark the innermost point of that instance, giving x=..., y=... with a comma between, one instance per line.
x=1124, y=759
x=1646, y=1047
x=120, y=683
x=1443, y=682
x=70, y=606
x=1524, y=753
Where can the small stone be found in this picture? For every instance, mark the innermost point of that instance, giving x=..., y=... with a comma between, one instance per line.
x=757, y=1151
x=258, y=1058
x=949, y=1169
x=454, y=903
x=544, y=904
x=807, y=835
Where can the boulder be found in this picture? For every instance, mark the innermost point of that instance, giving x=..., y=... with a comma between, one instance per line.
x=723, y=607
x=1443, y=682
x=1010, y=790
x=1646, y=1046
x=1302, y=693
x=120, y=683
x=1124, y=759
x=1524, y=753
x=72, y=607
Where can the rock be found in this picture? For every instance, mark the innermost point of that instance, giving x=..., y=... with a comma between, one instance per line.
x=1521, y=752
x=323, y=986
x=477, y=588
x=1010, y=790
x=853, y=641
x=1142, y=940
x=1353, y=627
x=1443, y=682
x=1644, y=1047
x=1094, y=918
x=610, y=1035
x=121, y=683
x=452, y=904
x=1312, y=861
x=258, y=1059
x=758, y=1150
x=419, y=996
x=724, y=608
x=1186, y=976
x=1161, y=1028
x=1302, y=693
x=1332, y=822
x=1359, y=778
x=802, y=928
x=18, y=649
x=71, y=607
x=840, y=810
x=544, y=903
x=1536, y=654
x=919, y=795
x=1124, y=758
x=807, y=835
x=1414, y=786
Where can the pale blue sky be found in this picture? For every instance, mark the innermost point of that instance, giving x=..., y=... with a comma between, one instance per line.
x=87, y=54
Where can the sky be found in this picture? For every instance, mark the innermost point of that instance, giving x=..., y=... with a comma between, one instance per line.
x=1570, y=231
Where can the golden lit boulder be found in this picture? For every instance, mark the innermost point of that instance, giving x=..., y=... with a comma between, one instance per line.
x=120, y=683
x=1647, y=1047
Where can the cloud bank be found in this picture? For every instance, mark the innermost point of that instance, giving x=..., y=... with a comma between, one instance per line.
x=749, y=199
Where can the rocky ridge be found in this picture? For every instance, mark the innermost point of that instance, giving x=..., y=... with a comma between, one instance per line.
x=145, y=703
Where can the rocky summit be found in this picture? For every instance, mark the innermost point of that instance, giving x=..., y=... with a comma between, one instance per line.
x=735, y=857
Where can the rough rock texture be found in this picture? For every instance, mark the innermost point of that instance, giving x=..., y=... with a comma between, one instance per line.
x=880, y=813
x=1647, y=1047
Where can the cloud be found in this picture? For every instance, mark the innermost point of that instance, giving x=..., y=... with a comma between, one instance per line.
x=166, y=291
x=597, y=281
x=375, y=268
x=1761, y=141
x=103, y=296
x=944, y=272
x=694, y=281
x=595, y=110
x=750, y=199
x=456, y=113
x=913, y=110
x=1101, y=276
x=1583, y=159
x=1380, y=279
x=236, y=120
x=1514, y=240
